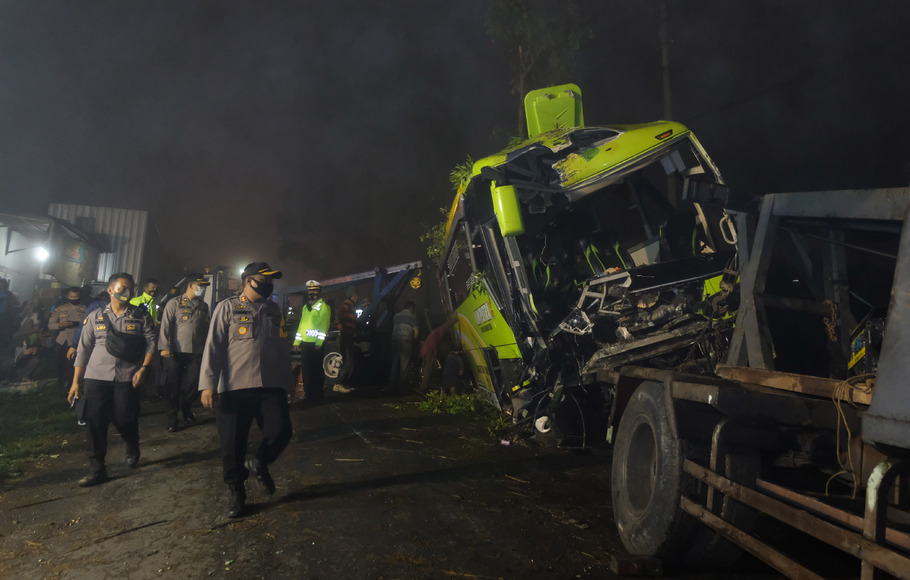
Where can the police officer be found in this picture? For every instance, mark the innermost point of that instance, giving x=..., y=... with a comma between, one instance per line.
x=249, y=365
x=116, y=348
x=184, y=326
x=147, y=298
x=315, y=317
x=64, y=319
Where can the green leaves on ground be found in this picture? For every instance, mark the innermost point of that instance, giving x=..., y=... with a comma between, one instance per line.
x=471, y=406
x=32, y=424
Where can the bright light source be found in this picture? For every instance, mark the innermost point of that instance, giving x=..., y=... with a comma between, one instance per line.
x=41, y=254
x=240, y=272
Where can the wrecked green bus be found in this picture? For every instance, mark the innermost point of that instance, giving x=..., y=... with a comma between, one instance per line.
x=583, y=249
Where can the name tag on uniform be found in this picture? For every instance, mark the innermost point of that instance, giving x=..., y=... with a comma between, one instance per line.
x=131, y=327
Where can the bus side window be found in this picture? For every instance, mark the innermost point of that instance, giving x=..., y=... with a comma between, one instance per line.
x=458, y=267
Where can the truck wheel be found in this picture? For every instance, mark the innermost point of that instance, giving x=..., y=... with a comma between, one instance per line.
x=331, y=366
x=647, y=479
x=709, y=549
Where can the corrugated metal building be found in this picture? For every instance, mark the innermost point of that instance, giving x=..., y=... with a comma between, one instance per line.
x=43, y=254
x=123, y=232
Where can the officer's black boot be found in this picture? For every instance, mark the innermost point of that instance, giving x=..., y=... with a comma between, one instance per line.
x=236, y=501
x=98, y=474
x=261, y=471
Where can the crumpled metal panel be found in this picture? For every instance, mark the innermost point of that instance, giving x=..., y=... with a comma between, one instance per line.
x=888, y=418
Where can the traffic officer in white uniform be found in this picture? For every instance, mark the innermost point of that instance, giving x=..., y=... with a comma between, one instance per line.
x=248, y=364
x=184, y=326
x=115, y=351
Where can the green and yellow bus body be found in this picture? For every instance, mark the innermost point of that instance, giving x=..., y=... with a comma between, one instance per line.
x=542, y=226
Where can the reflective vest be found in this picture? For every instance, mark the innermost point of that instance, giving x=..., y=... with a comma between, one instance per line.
x=150, y=303
x=314, y=323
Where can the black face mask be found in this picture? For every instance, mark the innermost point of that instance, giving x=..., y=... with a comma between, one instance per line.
x=73, y=300
x=264, y=289
x=123, y=297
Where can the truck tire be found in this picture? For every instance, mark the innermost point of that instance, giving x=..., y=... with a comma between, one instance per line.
x=707, y=548
x=647, y=479
x=331, y=366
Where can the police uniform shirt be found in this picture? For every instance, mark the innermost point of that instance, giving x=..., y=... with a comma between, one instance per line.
x=92, y=354
x=184, y=325
x=66, y=313
x=244, y=349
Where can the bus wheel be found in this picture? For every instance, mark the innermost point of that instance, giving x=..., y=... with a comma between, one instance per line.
x=565, y=426
x=647, y=479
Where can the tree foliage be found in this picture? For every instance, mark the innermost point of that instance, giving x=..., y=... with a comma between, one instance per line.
x=461, y=174
x=541, y=39
x=435, y=237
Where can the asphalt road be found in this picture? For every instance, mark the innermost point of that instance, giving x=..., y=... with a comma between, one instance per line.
x=370, y=487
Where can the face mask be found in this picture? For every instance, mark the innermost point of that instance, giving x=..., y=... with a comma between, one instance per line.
x=123, y=296
x=74, y=301
x=264, y=289
x=199, y=291
x=152, y=293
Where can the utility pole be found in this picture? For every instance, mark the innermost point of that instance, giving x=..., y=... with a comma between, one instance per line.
x=673, y=196
x=665, y=60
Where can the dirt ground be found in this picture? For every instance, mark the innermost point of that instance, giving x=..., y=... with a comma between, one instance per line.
x=370, y=487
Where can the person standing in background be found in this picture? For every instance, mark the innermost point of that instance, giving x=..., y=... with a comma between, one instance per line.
x=315, y=317
x=404, y=335
x=147, y=298
x=347, y=324
x=64, y=319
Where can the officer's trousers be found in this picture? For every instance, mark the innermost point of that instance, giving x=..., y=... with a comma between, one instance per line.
x=109, y=402
x=235, y=411
x=181, y=383
x=313, y=373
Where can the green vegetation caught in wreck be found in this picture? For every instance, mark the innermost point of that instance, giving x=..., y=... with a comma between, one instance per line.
x=538, y=232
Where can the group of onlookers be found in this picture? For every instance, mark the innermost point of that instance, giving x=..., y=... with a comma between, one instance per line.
x=26, y=340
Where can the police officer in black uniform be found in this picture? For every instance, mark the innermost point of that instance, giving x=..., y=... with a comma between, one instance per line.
x=116, y=349
x=184, y=326
x=248, y=363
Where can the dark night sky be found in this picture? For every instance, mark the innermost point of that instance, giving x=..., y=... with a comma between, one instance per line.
x=319, y=136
